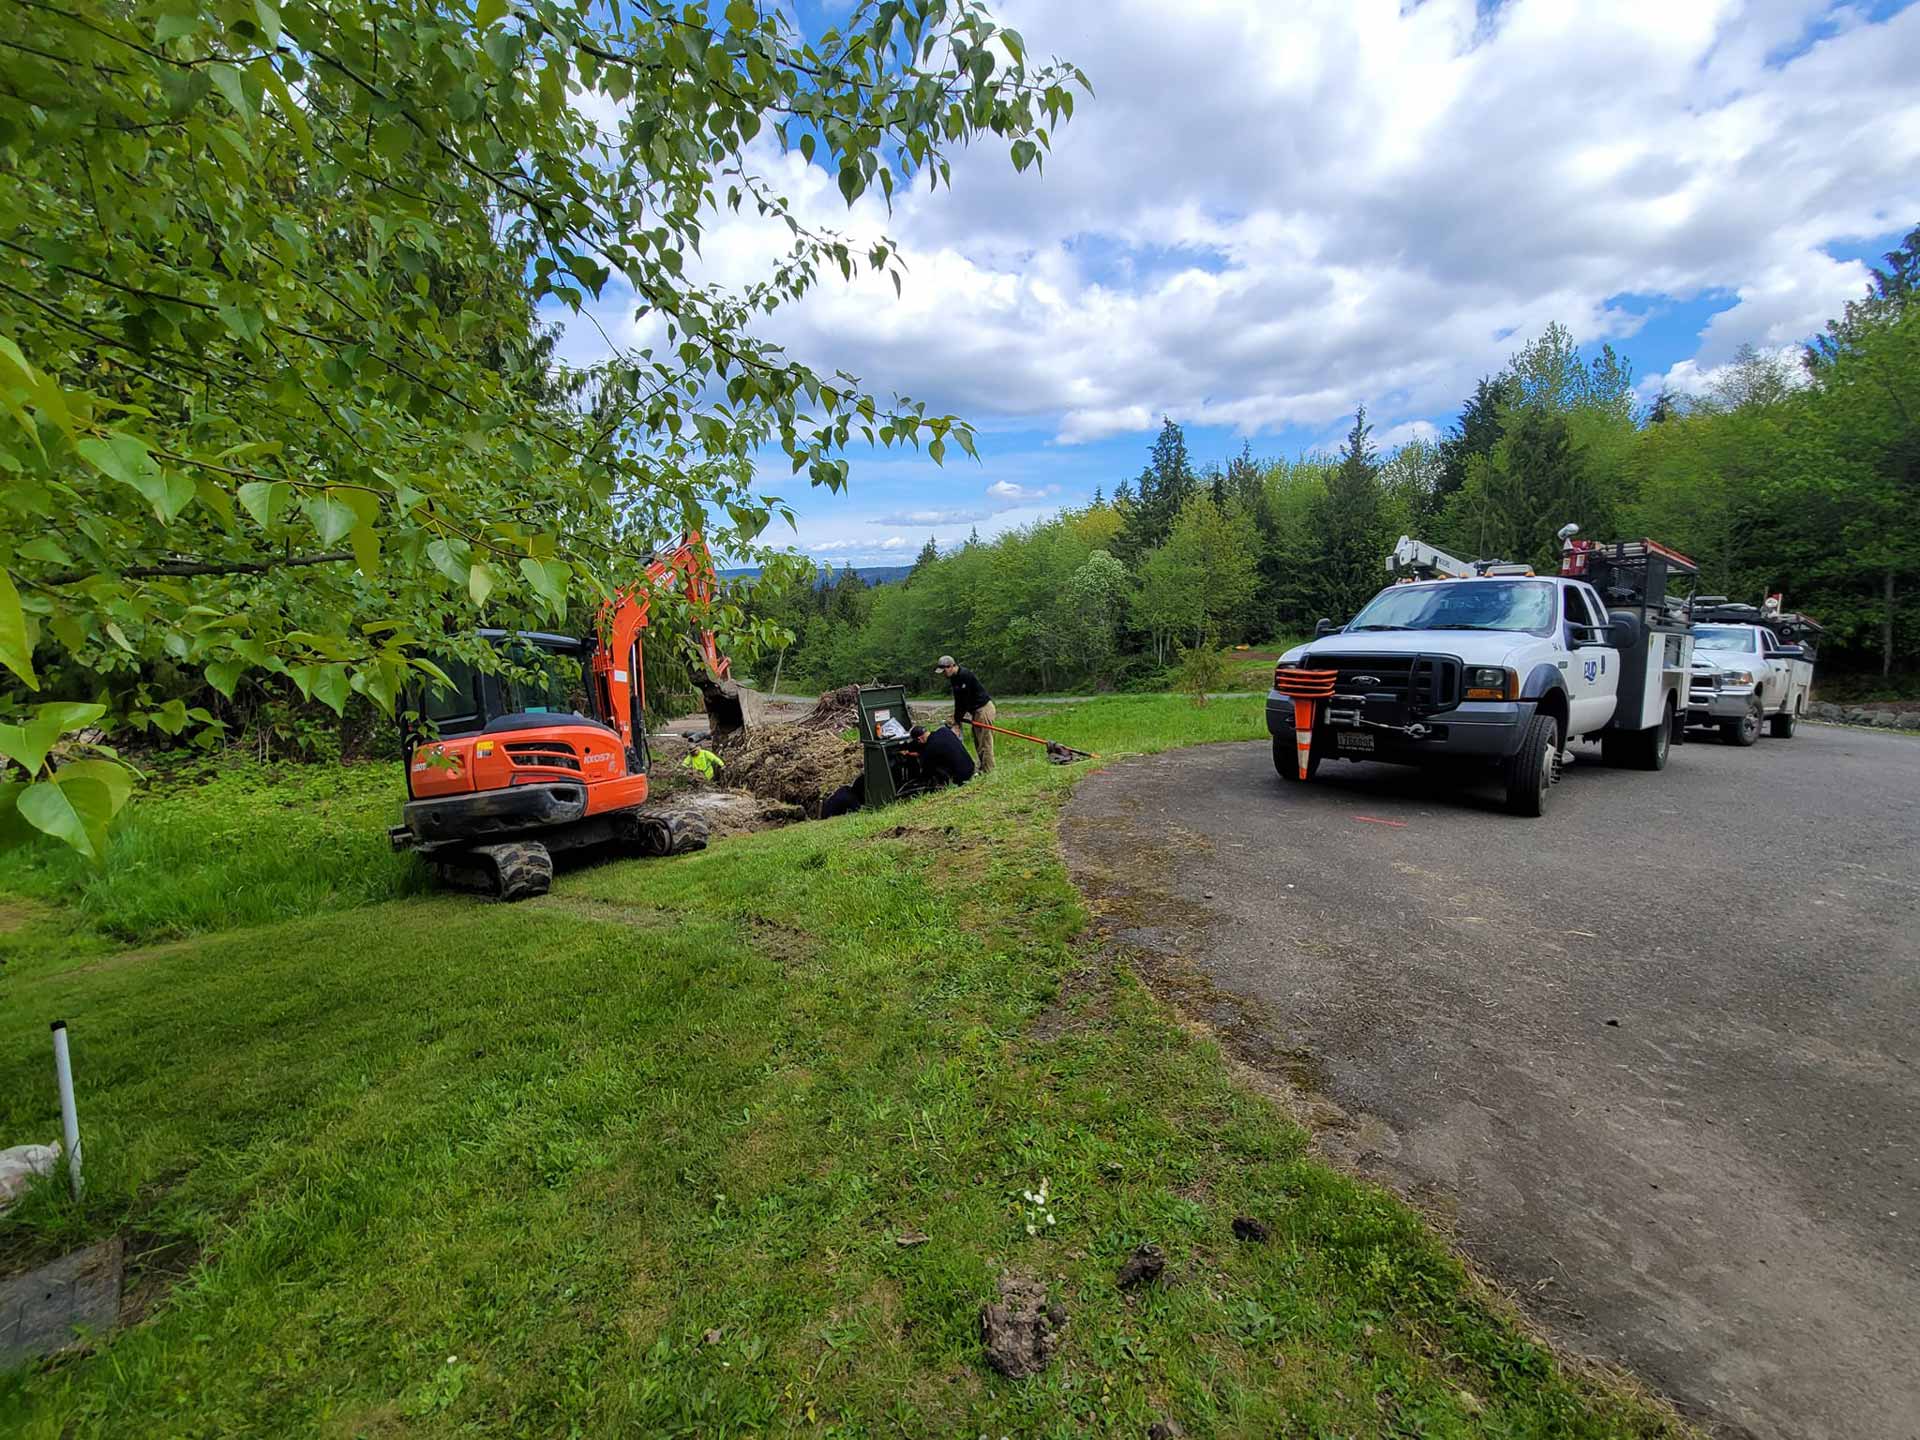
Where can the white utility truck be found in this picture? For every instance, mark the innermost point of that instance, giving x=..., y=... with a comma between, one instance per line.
x=1752, y=667
x=1488, y=662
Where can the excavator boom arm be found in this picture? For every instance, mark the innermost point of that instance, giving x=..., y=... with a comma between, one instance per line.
x=618, y=659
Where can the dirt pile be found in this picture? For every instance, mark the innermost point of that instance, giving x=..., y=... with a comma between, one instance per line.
x=834, y=711
x=792, y=764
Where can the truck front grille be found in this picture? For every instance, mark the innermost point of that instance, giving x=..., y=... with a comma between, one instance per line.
x=1421, y=683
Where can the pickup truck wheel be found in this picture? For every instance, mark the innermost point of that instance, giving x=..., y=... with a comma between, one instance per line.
x=1781, y=726
x=1746, y=730
x=1286, y=760
x=1531, y=770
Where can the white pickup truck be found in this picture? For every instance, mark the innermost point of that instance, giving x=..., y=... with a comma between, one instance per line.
x=1744, y=677
x=1496, y=664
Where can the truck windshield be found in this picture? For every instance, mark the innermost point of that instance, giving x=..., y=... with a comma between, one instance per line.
x=1462, y=605
x=1723, y=637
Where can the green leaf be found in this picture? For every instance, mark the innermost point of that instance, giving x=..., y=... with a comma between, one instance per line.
x=448, y=559
x=116, y=779
x=16, y=651
x=244, y=321
x=268, y=14
x=223, y=675
x=331, y=518
x=549, y=580
x=331, y=687
x=232, y=84
x=266, y=500
x=28, y=745
x=173, y=27
x=427, y=667
x=488, y=13
x=125, y=458
x=74, y=811
x=479, y=582
x=366, y=549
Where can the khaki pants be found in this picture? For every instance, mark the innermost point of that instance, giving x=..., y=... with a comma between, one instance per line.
x=983, y=739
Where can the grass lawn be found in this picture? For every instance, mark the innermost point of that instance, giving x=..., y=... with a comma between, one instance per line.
x=635, y=1158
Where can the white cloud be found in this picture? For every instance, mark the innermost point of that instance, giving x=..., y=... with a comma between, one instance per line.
x=1007, y=490
x=932, y=517
x=1691, y=378
x=1272, y=213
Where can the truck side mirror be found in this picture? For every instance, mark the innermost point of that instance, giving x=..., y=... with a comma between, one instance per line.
x=1622, y=632
x=1792, y=652
x=1323, y=626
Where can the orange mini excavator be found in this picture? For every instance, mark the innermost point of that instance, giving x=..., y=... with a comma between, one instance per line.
x=550, y=753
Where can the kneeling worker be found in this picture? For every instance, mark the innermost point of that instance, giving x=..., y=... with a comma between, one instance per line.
x=942, y=758
x=970, y=702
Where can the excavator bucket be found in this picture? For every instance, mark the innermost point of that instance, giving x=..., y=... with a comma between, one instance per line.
x=726, y=714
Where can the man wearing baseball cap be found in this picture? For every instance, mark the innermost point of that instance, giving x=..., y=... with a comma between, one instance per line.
x=970, y=703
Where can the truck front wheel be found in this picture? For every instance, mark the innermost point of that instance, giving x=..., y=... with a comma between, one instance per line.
x=1746, y=730
x=1531, y=770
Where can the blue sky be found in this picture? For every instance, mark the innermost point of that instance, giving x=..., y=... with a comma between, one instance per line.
x=1271, y=213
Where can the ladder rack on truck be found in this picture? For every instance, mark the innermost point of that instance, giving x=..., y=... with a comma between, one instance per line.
x=1635, y=578
x=1788, y=627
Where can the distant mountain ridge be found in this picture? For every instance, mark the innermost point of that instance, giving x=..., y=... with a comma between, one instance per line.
x=872, y=574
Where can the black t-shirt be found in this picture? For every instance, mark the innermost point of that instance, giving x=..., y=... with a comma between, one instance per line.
x=945, y=759
x=968, y=693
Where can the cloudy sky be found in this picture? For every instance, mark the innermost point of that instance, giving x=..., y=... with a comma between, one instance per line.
x=1272, y=212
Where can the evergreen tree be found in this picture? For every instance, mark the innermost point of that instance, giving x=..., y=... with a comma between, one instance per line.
x=1244, y=482
x=929, y=553
x=1346, y=526
x=1476, y=432
x=1164, y=486
x=1891, y=292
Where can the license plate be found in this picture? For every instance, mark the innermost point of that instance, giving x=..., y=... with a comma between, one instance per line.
x=1353, y=740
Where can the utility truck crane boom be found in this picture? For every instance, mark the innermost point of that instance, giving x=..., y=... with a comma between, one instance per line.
x=1421, y=561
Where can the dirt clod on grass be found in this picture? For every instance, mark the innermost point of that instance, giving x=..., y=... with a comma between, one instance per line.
x=1245, y=1227
x=1021, y=1332
x=792, y=764
x=1143, y=1267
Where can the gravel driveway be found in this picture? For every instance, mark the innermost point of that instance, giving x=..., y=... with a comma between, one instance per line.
x=1653, y=1057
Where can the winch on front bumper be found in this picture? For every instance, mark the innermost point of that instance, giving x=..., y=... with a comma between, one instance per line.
x=1404, y=707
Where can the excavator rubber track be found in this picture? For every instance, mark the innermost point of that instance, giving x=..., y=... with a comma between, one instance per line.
x=516, y=870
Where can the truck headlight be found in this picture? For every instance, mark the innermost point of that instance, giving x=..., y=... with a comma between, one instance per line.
x=1739, y=677
x=1488, y=682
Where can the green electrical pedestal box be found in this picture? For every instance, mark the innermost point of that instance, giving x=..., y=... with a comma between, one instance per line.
x=885, y=721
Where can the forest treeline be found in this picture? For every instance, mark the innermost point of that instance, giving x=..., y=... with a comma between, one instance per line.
x=1793, y=475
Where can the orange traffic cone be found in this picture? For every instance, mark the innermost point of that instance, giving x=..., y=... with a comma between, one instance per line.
x=1303, y=731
